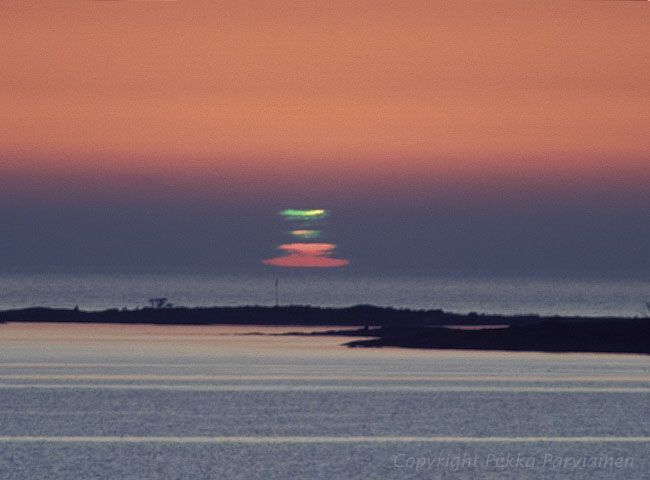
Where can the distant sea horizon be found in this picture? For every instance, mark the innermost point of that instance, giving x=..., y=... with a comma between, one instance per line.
x=460, y=294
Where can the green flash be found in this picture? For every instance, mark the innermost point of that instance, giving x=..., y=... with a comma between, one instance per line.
x=305, y=233
x=292, y=213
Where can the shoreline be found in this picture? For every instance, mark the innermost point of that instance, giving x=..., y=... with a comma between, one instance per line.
x=378, y=327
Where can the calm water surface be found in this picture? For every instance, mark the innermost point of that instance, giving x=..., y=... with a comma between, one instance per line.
x=107, y=401
x=496, y=295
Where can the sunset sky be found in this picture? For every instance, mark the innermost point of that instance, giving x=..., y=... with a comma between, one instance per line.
x=481, y=137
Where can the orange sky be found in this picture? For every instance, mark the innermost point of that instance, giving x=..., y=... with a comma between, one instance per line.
x=429, y=90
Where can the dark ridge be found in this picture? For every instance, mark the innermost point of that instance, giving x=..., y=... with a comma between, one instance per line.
x=556, y=335
x=358, y=315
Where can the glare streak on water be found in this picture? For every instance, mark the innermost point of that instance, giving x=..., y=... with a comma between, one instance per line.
x=335, y=378
x=316, y=439
x=319, y=388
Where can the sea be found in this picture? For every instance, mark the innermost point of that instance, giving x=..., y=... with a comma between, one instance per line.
x=219, y=402
x=505, y=295
x=143, y=402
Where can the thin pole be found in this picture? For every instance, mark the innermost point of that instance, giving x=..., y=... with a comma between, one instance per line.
x=277, y=292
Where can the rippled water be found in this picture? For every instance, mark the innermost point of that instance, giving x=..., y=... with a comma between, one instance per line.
x=563, y=297
x=115, y=402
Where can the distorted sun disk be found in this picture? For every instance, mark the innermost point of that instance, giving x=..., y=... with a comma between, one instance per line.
x=314, y=255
